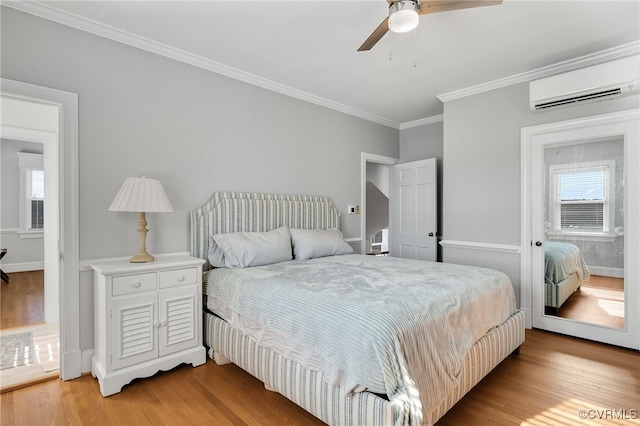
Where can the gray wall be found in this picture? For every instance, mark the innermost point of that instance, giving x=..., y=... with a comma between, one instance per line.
x=422, y=142
x=481, y=181
x=195, y=131
x=19, y=250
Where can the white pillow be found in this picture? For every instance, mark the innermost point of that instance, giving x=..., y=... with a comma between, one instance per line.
x=245, y=249
x=312, y=243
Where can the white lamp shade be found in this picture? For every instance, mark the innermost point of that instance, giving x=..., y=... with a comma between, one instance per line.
x=141, y=195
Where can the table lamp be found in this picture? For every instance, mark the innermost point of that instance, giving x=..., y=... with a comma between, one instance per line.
x=142, y=195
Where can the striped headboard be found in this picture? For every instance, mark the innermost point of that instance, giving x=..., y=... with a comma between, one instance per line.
x=254, y=212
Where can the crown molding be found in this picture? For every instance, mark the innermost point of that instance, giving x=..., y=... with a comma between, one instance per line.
x=45, y=11
x=422, y=122
x=72, y=20
x=602, y=56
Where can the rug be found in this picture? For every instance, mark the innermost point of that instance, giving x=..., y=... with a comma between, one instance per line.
x=47, y=351
x=16, y=350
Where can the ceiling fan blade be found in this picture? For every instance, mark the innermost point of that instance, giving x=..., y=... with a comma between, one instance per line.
x=376, y=35
x=426, y=6
x=434, y=6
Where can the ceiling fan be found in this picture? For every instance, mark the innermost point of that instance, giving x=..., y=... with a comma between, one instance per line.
x=403, y=15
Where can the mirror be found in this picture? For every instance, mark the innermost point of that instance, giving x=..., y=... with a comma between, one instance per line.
x=584, y=231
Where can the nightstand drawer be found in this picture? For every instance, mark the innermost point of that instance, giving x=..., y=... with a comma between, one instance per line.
x=178, y=277
x=134, y=284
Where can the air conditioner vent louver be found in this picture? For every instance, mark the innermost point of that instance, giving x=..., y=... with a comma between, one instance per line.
x=587, y=97
x=608, y=80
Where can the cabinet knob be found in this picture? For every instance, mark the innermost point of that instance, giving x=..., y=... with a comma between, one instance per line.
x=163, y=323
x=156, y=324
x=180, y=278
x=136, y=284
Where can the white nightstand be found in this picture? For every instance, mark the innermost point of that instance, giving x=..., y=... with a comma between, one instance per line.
x=147, y=318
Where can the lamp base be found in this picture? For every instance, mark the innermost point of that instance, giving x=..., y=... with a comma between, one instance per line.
x=142, y=258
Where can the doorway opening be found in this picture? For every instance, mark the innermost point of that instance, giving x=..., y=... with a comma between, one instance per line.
x=61, y=252
x=376, y=212
x=29, y=327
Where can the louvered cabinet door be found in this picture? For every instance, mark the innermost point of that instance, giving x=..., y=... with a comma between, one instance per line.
x=134, y=329
x=178, y=319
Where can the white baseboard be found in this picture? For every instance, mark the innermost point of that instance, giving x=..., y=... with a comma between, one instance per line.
x=606, y=271
x=22, y=267
x=87, y=356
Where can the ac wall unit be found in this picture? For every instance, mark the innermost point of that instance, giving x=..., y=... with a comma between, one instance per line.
x=596, y=83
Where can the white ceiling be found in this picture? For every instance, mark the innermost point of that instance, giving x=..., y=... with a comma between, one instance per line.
x=308, y=48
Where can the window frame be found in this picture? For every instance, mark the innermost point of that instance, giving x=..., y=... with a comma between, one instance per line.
x=608, y=203
x=28, y=162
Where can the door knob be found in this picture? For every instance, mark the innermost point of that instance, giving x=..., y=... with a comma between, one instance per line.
x=538, y=243
x=430, y=234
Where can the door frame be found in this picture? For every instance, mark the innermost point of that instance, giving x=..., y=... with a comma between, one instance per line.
x=533, y=139
x=366, y=157
x=67, y=246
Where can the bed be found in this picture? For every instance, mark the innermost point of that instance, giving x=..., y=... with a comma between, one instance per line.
x=565, y=271
x=398, y=377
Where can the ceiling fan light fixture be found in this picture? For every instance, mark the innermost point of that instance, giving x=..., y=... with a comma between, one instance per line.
x=403, y=16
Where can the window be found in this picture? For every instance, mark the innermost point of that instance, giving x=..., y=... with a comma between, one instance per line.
x=582, y=198
x=36, y=199
x=32, y=194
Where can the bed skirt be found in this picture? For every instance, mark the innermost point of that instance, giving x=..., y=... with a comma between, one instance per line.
x=557, y=294
x=307, y=388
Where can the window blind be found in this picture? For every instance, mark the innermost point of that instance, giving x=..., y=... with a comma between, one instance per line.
x=37, y=214
x=582, y=199
x=37, y=199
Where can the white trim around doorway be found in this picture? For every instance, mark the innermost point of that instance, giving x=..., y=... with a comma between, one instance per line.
x=67, y=246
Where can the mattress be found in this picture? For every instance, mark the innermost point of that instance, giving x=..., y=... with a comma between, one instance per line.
x=393, y=326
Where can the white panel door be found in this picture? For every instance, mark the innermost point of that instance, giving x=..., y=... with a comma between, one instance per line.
x=542, y=145
x=415, y=222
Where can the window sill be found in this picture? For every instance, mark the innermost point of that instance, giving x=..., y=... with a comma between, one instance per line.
x=582, y=236
x=31, y=234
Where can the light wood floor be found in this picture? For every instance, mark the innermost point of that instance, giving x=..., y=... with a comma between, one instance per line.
x=22, y=302
x=552, y=379
x=17, y=377
x=600, y=301
x=22, y=299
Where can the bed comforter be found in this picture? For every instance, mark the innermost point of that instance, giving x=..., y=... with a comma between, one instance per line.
x=561, y=260
x=393, y=326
